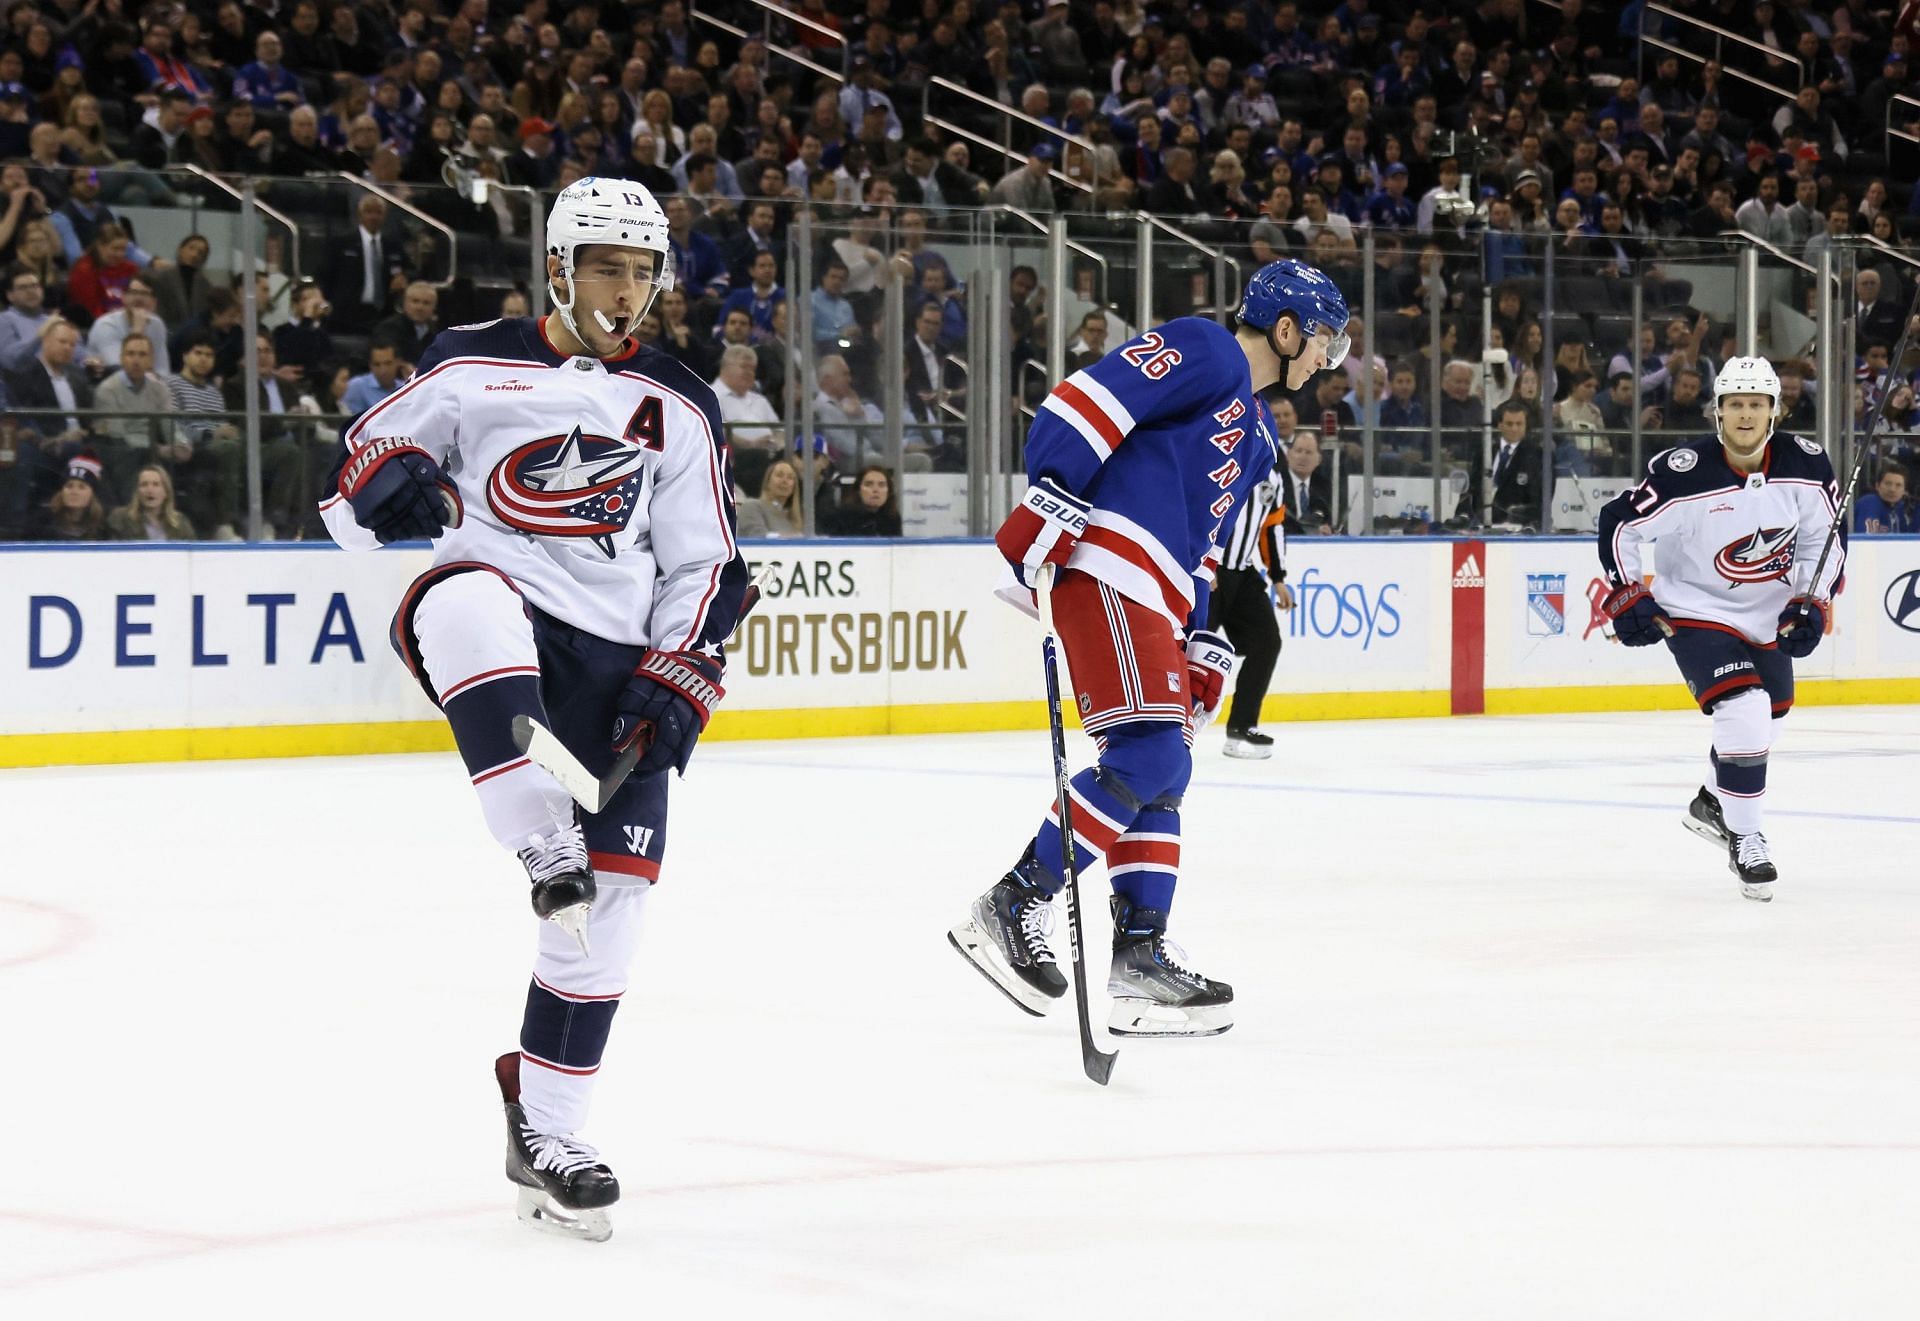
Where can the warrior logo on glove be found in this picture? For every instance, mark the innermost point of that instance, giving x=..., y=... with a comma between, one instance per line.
x=576, y=485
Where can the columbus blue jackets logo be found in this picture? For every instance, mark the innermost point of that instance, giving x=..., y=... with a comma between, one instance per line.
x=576, y=485
x=1761, y=556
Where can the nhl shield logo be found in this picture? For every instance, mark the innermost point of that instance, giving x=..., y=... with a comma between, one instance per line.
x=1546, y=605
x=576, y=485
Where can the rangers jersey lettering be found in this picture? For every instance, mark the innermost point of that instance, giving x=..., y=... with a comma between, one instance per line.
x=1163, y=437
x=1730, y=549
x=598, y=487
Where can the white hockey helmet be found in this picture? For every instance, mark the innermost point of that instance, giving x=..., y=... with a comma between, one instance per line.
x=610, y=211
x=1748, y=376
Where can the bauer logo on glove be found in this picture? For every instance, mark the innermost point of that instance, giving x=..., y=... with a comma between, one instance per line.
x=1043, y=529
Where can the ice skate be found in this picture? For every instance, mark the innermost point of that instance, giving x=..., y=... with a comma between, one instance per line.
x=563, y=886
x=1154, y=993
x=1248, y=745
x=565, y=1188
x=1704, y=819
x=1747, y=858
x=1006, y=939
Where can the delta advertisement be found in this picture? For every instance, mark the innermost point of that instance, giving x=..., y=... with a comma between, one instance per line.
x=99, y=644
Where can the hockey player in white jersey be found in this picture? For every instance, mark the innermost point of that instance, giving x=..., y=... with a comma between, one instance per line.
x=1737, y=522
x=585, y=575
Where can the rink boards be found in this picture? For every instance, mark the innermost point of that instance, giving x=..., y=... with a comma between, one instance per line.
x=112, y=654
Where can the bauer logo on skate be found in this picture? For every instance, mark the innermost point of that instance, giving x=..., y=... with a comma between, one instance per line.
x=576, y=485
x=1762, y=556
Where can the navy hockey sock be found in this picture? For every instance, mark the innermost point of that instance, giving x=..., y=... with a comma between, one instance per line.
x=565, y=1033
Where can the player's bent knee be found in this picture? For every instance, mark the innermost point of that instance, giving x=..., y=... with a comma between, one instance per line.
x=1743, y=723
x=1149, y=756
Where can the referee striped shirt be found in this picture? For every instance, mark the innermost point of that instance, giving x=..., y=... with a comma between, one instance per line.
x=1243, y=543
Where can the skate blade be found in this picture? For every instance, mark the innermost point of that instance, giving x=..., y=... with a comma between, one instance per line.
x=1150, y=1018
x=1697, y=826
x=1761, y=893
x=542, y=1212
x=573, y=920
x=976, y=949
x=1247, y=752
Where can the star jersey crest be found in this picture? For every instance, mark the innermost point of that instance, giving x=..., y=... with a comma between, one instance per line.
x=1763, y=555
x=576, y=485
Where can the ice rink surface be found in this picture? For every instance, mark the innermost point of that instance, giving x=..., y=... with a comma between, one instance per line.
x=1510, y=1044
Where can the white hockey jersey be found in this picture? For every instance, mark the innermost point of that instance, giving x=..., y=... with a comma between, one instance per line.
x=599, y=487
x=1730, y=549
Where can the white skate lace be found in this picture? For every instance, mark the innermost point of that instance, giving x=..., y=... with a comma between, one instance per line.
x=1036, y=924
x=1753, y=849
x=563, y=1156
x=1174, y=959
x=550, y=855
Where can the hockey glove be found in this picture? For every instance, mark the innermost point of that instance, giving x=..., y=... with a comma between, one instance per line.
x=1043, y=529
x=398, y=492
x=1209, y=662
x=1802, y=624
x=1638, y=620
x=668, y=701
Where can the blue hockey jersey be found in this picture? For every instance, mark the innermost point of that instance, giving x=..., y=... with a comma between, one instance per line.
x=1163, y=437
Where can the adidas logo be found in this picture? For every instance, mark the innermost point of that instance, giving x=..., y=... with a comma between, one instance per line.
x=1469, y=575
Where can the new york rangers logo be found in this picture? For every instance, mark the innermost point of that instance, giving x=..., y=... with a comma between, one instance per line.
x=1759, y=557
x=576, y=485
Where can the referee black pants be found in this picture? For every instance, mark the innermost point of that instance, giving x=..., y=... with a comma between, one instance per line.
x=1243, y=609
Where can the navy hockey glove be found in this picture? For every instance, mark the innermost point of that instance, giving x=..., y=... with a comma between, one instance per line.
x=1209, y=662
x=1802, y=624
x=398, y=492
x=1043, y=529
x=668, y=702
x=1638, y=620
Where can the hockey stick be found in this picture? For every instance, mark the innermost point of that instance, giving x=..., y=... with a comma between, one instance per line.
x=1866, y=442
x=1098, y=1063
x=543, y=748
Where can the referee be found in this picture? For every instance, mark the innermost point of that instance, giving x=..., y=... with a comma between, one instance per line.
x=1243, y=608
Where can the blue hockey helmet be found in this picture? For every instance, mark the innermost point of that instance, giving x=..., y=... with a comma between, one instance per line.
x=1288, y=286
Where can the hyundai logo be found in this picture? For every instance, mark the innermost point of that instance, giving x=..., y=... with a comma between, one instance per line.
x=1903, y=601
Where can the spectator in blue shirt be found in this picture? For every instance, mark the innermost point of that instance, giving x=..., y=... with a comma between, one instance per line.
x=269, y=84
x=381, y=379
x=834, y=322
x=1330, y=179
x=697, y=264
x=1390, y=208
x=1886, y=508
x=1402, y=410
x=758, y=298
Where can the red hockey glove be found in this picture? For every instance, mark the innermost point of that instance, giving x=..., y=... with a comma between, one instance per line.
x=398, y=492
x=1043, y=529
x=668, y=702
x=1638, y=620
x=1802, y=624
x=1209, y=662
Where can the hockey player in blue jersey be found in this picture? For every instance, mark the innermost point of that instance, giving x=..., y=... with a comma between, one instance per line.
x=1136, y=465
x=585, y=575
x=1737, y=521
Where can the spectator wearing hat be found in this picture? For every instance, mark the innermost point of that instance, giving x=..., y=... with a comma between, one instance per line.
x=1391, y=208
x=534, y=165
x=75, y=512
x=1253, y=105
x=862, y=96
x=16, y=120
x=1029, y=187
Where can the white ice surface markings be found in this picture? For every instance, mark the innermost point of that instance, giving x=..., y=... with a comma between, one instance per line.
x=1509, y=1043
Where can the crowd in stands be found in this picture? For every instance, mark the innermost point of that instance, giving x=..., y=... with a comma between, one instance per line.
x=1459, y=143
